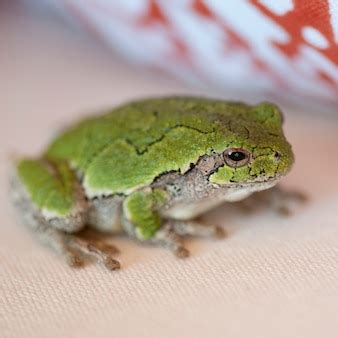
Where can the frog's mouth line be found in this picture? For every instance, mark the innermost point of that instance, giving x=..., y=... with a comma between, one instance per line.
x=263, y=184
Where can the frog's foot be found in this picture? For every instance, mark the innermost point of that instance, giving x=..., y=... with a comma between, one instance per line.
x=74, y=249
x=288, y=202
x=283, y=202
x=99, y=240
x=167, y=237
x=100, y=251
x=171, y=235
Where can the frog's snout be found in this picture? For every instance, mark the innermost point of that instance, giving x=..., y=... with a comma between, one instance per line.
x=284, y=160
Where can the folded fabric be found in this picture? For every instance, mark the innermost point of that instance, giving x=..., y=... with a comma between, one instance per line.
x=284, y=48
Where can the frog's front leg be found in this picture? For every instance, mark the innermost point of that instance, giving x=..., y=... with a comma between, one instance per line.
x=277, y=199
x=142, y=220
x=172, y=232
x=52, y=203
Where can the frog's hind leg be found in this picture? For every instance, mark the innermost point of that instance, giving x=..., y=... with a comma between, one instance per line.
x=52, y=203
x=57, y=240
x=74, y=249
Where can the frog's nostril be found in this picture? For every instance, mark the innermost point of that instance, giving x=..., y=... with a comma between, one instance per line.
x=277, y=156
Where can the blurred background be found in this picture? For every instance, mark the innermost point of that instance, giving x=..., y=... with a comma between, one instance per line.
x=270, y=49
x=61, y=60
x=284, y=50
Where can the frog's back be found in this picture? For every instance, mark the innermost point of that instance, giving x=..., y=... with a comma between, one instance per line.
x=131, y=145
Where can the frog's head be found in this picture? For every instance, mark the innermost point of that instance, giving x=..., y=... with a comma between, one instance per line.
x=256, y=149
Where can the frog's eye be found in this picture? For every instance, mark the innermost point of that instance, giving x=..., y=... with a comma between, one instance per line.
x=236, y=157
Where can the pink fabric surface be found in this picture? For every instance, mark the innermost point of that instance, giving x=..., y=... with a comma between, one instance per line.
x=272, y=277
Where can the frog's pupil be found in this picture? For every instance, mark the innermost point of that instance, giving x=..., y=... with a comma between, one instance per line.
x=236, y=156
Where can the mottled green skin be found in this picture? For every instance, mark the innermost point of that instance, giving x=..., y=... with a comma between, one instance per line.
x=128, y=147
x=141, y=209
x=51, y=185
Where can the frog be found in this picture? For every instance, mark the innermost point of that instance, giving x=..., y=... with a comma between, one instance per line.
x=148, y=169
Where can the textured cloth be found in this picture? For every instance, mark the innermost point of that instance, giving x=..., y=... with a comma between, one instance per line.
x=272, y=277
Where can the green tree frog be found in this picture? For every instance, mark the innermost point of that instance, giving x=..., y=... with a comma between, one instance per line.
x=148, y=169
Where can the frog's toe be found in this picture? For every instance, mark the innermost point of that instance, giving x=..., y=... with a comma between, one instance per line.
x=74, y=259
x=220, y=232
x=112, y=264
x=99, y=240
x=107, y=247
x=170, y=239
x=181, y=252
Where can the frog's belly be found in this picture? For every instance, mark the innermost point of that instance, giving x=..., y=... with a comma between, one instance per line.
x=189, y=210
x=105, y=214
